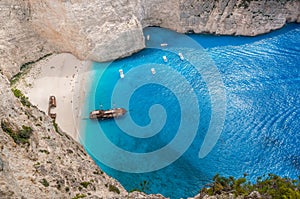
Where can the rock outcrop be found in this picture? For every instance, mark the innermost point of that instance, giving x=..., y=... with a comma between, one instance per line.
x=97, y=30
x=227, y=17
x=103, y=30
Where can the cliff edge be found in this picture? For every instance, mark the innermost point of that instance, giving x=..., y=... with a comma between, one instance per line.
x=104, y=30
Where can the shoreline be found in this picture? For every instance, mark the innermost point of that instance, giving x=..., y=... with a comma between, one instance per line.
x=65, y=77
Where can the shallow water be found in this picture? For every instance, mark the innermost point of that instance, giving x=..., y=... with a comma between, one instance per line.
x=235, y=98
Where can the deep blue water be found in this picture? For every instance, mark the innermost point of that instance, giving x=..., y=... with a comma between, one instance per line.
x=237, y=98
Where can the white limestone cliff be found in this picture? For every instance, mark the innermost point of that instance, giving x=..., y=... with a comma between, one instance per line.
x=19, y=43
x=104, y=30
x=96, y=30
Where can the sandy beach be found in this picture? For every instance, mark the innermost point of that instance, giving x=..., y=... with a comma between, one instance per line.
x=65, y=77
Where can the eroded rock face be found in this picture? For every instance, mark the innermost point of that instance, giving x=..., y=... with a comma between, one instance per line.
x=237, y=17
x=19, y=43
x=104, y=30
x=99, y=30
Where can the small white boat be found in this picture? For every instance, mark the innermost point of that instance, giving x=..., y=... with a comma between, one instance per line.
x=165, y=59
x=181, y=56
x=148, y=37
x=121, y=73
x=163, y=44
x=153, y=71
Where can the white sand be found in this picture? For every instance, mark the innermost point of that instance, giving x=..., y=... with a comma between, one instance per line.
x=65, y=77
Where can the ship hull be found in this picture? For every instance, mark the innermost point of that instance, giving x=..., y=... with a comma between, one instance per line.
x=107, y=114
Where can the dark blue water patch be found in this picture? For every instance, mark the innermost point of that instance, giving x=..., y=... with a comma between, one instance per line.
x=211, y=41
x=261, y=130
x=262, y=85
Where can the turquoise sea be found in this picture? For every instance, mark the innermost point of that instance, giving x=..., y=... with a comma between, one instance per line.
x=232, y=106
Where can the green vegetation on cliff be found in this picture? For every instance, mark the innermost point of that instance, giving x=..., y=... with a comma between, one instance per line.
x=24, y=69
x=20, y=136
x=113, y=188
x=24, y=100
x=271, y=186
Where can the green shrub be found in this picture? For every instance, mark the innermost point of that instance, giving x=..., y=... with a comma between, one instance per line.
x=144, y=186
x=85, y=184
x=245, y=3
x=113, y=188
x=79, y=196
x=24, y=100
x=6, y=128
x=21, y=136
x=135, y=189
x=44, y=151
x=23, y=68
x=272, y=186
x=37, y=164
x=56, y=128
x=17, y=92
x=97, y=172
x=44, y=182
x=15, y=78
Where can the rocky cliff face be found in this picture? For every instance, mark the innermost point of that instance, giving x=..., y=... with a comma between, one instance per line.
x=97, y=30
x=102, y=30
x=19, y=43
x=37, y=160
x=229, y=17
